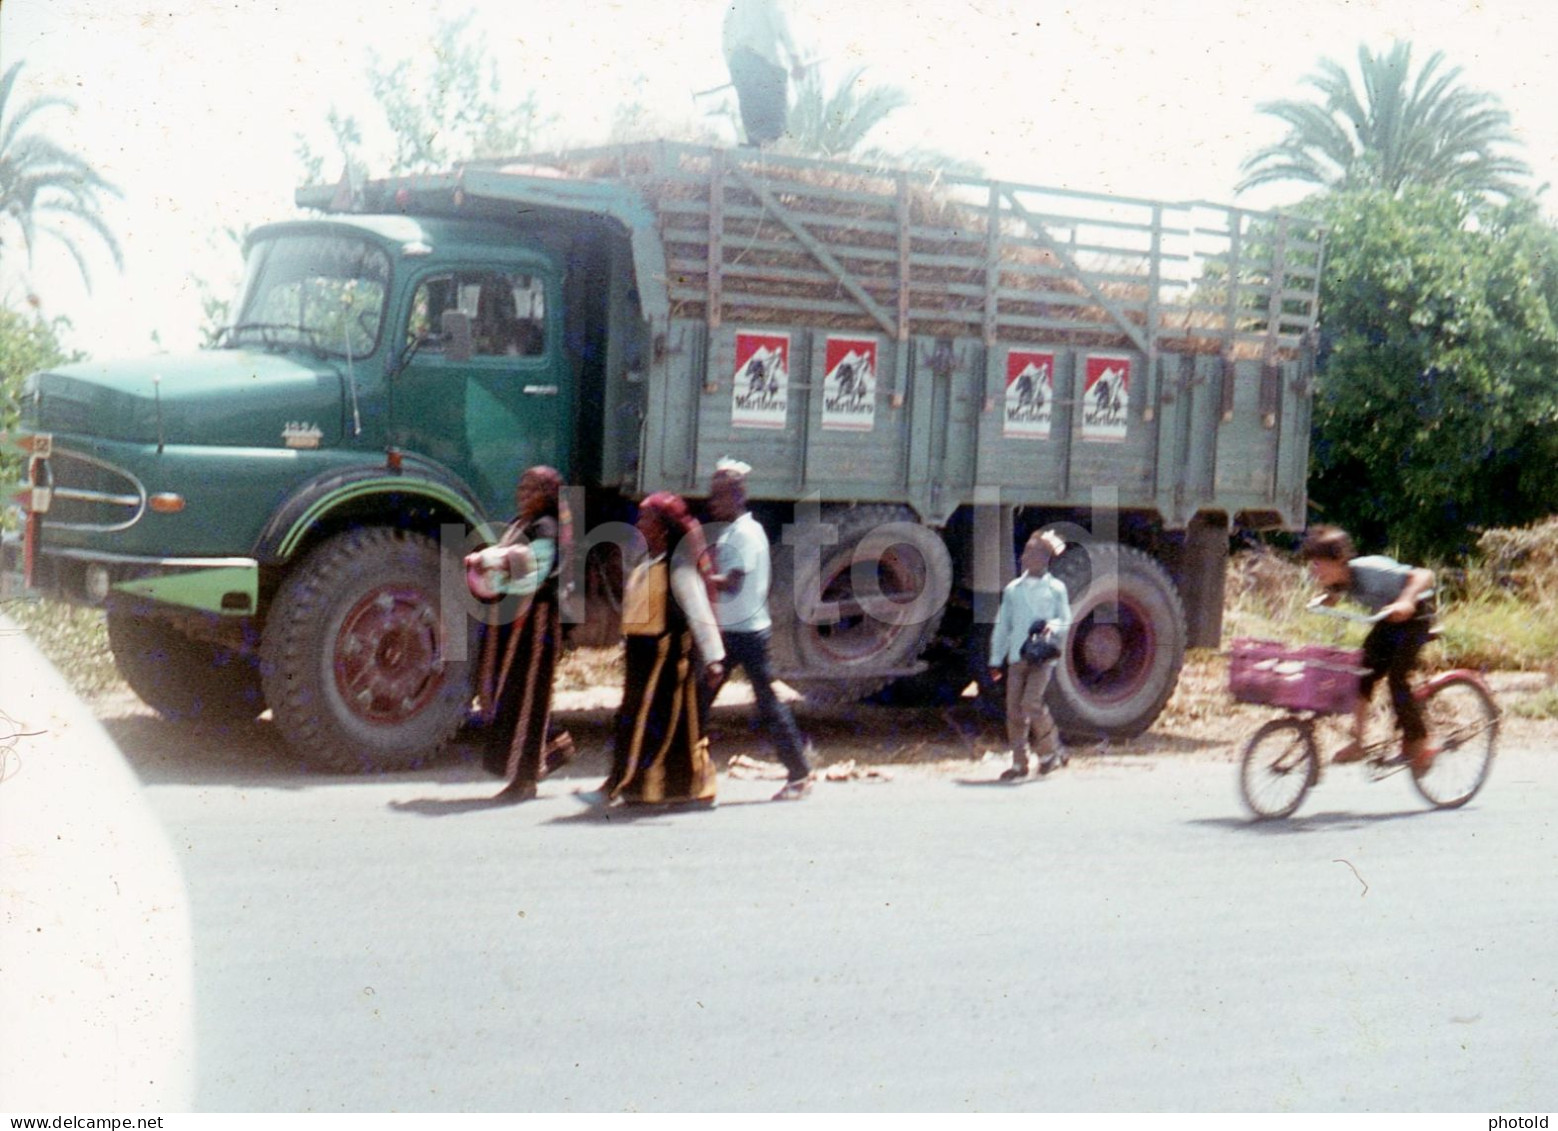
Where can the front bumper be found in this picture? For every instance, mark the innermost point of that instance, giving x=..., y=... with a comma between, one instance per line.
x=224, y=586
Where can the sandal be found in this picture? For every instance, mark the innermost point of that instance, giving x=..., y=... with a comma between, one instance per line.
x=795, y=789
x=1352, y=752
x=1420, y=755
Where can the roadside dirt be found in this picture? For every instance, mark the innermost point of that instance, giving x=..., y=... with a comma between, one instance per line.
x=858, y=742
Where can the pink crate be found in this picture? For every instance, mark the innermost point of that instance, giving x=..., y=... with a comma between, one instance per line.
x=1310, y=678
x=1251, y=669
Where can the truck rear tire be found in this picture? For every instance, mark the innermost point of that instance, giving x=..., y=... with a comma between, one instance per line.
x=179, y=677
x=840, y=661
x=1125, y=647
x=357, y=669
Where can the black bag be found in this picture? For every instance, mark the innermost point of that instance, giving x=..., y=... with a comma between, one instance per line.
x=1037, y=649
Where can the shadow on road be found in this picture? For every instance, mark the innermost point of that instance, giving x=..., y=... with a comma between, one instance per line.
x=253, y=755
x=1310, y=823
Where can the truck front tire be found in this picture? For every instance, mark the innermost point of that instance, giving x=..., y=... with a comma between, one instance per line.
x=358, y=671
x=1125, y=647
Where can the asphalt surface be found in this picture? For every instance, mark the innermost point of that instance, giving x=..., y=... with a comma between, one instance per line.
x=96, y=994
x=1117, y=937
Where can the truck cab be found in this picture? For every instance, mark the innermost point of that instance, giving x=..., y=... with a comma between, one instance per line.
x=365, y=416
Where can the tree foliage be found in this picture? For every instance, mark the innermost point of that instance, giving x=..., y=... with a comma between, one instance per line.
x=1435, y=406
x=28, y=343
x=1396, y=129
x=446, y=105
x=836, y=123
x=46, y=190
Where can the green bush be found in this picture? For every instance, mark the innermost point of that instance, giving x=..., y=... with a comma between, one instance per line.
x=27, y=344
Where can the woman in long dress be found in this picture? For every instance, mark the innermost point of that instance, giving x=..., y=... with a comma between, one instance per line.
x=660, y=753
x=519, y=658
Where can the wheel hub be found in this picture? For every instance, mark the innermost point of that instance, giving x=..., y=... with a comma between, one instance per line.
x=389, y=655
x=1103, y=647
x=856, y=635
x=1114, y=657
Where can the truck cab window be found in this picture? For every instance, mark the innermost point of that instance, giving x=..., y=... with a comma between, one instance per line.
x=322, y=293
x=507, y=311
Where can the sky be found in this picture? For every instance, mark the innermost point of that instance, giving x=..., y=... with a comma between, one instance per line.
x=193, y=108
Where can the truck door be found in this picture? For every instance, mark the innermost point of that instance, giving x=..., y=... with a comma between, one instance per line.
x=504, y=409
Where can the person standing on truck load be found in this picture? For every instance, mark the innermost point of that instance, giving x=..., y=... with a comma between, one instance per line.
x=1403, y=594
x=1029, y=634
x=761, y=56
x=518, y=660
x=659, y=750
x=740, y=580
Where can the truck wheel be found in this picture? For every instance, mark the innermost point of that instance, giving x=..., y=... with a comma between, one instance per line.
x=838, y=662
x=603, y=584
x=181, y=678
x=357, y=669
x=1125, y=646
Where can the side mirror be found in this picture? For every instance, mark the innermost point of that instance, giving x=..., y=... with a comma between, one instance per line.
x=455, y=326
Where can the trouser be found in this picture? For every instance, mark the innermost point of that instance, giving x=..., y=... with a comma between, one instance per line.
x=749, y=651
x=1028, y=723
x=1390, y=650
x=762, y=88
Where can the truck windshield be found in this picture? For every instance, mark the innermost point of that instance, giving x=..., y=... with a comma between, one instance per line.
x=323, y=293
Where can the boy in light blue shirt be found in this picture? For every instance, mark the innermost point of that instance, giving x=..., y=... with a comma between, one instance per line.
x=1036, y=595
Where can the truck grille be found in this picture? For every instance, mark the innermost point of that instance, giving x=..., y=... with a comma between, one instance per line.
x=58, y=413
x=90, y=494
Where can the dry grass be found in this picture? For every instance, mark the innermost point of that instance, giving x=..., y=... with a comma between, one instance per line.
x=579, y=669
x=1498, y=614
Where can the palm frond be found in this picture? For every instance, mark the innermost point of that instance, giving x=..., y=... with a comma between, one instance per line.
x=46, y=189
x=1391, y=126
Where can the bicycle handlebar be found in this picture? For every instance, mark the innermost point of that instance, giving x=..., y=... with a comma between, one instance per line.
x=1318, y=606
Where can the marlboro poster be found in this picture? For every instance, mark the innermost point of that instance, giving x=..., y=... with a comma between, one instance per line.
x=1030, y=395
x=761, y=398
x=849, y=388
x=1106, y=397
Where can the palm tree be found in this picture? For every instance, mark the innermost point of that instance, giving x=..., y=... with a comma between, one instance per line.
x=1425, y=130
x=837, y=124
x=44, y=188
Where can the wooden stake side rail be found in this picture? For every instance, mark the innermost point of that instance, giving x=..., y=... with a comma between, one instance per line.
x=763, y=238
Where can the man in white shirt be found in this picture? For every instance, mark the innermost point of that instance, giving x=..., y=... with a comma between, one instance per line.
x=761, y=56
x=741, y=578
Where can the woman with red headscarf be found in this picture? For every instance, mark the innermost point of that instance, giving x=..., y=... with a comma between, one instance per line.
x=660, y=753
x=518, y=659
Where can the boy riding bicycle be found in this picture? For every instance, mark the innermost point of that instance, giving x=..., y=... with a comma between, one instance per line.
x=1399, y=592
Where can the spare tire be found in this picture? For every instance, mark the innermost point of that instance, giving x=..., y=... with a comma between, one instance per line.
x=869, y=603
x=1126, y=643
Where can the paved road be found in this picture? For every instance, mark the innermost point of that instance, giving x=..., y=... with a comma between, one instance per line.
x=1117, y=937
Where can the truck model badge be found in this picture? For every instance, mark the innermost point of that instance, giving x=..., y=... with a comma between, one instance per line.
x=297, y=434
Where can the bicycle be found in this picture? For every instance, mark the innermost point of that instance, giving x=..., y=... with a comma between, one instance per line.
x=1280, y=762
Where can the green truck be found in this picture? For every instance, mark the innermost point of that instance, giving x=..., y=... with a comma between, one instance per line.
x=921, y=368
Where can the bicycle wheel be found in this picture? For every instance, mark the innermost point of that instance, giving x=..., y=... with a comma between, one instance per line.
x=1463, y=721
x=1278, y=766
